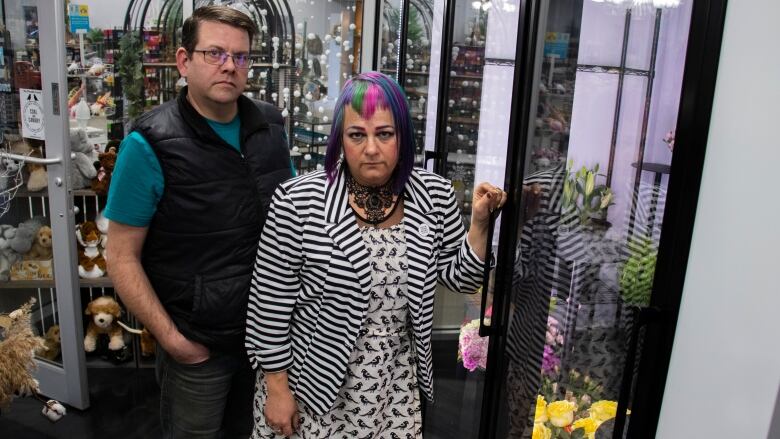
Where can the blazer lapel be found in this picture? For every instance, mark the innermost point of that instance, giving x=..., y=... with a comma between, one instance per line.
x=342, y=228
x=420, y=231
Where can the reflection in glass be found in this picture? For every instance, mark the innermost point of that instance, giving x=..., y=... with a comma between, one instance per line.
x=26, y=270
x=607, y=91
x=417, y=48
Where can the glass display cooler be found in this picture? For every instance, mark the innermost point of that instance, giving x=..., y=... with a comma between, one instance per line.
x=575, y=108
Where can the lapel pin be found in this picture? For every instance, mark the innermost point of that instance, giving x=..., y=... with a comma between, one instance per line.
x=425, y=230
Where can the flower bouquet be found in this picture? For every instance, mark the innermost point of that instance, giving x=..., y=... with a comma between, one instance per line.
x=473, y=349
x=568, y=419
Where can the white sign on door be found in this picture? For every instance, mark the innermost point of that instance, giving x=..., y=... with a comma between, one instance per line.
x=32, y=113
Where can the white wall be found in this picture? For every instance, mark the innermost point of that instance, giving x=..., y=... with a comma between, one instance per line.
x=725, y=368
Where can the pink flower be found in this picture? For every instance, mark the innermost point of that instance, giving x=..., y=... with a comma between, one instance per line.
x=472, y=348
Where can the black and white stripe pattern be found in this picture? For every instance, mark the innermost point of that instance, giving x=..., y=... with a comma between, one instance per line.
x=550, y=243
x=310, y=288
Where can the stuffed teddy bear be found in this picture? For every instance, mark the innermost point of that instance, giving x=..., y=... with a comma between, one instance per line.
x=102, y=224
x=41, y=247
x=38, y=178
x=103, y=180
x=51, y=341
x=104, y=314
x=25, y=235
x=148, y=342
x=82, y=163
x=8, y=256
x=92, y=264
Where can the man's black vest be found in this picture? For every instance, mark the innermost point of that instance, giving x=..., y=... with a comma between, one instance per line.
x=201, y=244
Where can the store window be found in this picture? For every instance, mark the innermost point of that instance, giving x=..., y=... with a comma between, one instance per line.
x=304, y=53
x=408, y=34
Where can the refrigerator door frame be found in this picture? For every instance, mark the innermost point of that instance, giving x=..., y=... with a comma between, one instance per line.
x=700, y=73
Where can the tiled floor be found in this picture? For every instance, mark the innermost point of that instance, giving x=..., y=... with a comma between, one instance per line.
x=125, y=404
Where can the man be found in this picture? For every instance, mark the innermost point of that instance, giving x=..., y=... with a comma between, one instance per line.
x=186, y=207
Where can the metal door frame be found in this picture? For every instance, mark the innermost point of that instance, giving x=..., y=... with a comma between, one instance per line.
x=68, y=383
x=700, y=73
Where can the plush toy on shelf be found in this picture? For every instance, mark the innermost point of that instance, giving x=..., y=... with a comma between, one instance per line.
x=41, y=247
x=38, y=178
x=9, y=173
x=8, y=256
x=82, y=166
x=104, y=315
x=107, y=160
x=102, y=224
x=148, y=342
x=51, y=341
x=26, y=233
x=92, y=264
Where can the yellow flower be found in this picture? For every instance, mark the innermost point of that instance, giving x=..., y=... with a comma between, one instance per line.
x=603, y=410
x=561, y=413
x=541, y=431
x=541, y=409
x=590, y=426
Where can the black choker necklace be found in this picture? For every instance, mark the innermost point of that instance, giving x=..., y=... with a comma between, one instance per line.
x=374, y=200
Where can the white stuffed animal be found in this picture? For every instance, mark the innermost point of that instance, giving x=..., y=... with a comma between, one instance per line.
x=8, y=256
x=82, y=164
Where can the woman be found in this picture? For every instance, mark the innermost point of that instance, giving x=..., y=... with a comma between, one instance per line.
x=341, y=303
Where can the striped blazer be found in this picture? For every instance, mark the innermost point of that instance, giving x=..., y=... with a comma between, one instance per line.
x=312, y=278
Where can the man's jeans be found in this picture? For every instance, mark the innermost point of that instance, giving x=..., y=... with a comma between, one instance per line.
x=212, y=399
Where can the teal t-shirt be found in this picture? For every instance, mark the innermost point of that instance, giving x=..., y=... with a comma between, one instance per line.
x=137, y=182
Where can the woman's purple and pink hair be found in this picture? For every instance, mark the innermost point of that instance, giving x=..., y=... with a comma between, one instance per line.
x=366, y=93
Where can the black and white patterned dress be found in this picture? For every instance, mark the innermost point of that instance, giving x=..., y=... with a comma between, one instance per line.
x=379, y=397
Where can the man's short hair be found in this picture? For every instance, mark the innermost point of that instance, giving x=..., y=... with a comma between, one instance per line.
x=214, y=13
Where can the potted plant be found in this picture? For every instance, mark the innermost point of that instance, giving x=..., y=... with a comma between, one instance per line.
x=129, y=66
x=589, y=200
x=636, y=278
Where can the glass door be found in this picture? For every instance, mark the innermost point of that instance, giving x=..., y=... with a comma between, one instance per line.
x=467, y=128
x=594, y=142
x=406, y=31
x=38, y=257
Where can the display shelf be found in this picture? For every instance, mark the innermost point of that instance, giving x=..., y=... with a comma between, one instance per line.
x=101, y=282
x=85, y=72
x=158, y=64
x=310, y=130
x=464, y=120
x=45, y=193
x=613, y=70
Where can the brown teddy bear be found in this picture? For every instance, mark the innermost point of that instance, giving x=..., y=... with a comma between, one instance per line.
x=148, y=342
x=107, y=160
x=38, y=178
x=51, y=349
x=104, y=312
x=41, y=248
x=92, y=264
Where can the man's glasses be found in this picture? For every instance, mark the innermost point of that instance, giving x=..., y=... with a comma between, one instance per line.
x=219, y=57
